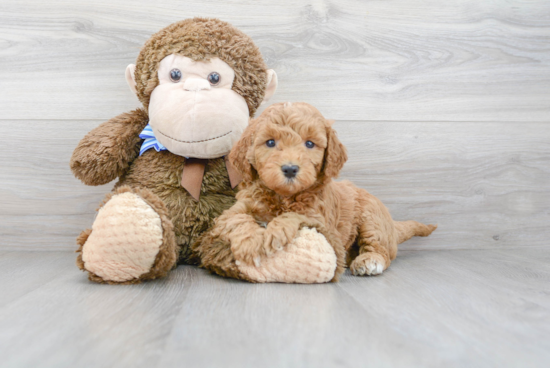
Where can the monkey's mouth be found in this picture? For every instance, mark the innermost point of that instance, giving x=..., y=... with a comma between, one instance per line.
x=201, y=141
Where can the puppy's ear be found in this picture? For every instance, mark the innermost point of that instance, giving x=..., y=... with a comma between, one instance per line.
x=239, y=155
x=335, y=154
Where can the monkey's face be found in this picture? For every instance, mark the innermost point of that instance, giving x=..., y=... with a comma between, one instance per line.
x=193, y=111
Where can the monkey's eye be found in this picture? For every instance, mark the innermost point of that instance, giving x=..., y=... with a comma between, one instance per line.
x=175, y=75
x=310, y=144
x=214, y=78
x=270, y=143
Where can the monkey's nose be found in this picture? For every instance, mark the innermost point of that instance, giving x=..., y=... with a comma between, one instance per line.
x=195, y=84
x=290, y=171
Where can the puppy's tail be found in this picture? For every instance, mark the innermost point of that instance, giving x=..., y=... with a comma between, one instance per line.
x=407, y=229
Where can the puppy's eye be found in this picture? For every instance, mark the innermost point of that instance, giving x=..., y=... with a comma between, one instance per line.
x=310, y=144
x=214, y=78
x=270, y=143
x=175, y=75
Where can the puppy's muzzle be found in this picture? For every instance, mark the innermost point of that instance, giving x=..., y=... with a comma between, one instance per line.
x=290, y=171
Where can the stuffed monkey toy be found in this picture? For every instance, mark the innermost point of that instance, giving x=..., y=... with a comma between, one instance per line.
x=199, y=81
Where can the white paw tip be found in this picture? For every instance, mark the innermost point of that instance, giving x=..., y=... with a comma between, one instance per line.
x=368, y=267
x=257, y=261
x=374, y=268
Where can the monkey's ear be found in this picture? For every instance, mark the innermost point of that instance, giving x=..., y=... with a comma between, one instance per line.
x=130, y=77
x=242, y=153
x=271, y=85
x=335, y=154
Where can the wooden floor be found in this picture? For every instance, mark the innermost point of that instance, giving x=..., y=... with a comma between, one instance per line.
x=456, y=308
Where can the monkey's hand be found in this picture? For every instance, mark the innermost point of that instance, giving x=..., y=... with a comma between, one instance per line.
x=106, y=152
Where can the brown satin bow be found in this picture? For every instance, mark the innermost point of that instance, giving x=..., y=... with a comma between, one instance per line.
x=193, y=173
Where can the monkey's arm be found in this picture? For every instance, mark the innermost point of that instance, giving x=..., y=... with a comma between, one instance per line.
x=106, y=152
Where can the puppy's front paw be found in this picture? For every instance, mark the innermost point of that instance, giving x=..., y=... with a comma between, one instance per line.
x=279, y=232
x=249, y=248
x=369, y=264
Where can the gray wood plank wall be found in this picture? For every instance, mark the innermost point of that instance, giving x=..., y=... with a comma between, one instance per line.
x=444, y=106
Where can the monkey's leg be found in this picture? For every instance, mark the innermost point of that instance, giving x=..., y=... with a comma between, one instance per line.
x=307, y=259
x=131, y=240
x=213, y=252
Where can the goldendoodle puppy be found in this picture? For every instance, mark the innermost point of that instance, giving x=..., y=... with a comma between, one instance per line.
x=288, y=157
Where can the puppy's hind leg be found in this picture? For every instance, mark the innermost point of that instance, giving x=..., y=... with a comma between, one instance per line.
x=378, y=242
x=376, y=239
x=374, y=254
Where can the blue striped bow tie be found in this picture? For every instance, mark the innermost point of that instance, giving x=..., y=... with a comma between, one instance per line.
x=150, y=141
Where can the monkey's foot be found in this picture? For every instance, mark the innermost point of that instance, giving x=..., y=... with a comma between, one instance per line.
x=131, y=240
x=308, y=259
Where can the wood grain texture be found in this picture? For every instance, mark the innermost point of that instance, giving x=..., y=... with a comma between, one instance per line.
x=355, y=60
x=145, y=313
x=467, y=308
x=487, y=185
x=457, y=314
x=42, y=204
x=444, y=107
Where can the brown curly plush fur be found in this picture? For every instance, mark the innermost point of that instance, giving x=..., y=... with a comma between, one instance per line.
x=102, y=155
x=349, y=214
x=201, y=39
x=111, y=150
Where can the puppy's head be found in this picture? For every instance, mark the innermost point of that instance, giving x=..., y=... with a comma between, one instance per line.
x=290, y=147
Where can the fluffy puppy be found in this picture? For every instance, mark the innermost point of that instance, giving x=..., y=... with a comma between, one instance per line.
x=288, y=157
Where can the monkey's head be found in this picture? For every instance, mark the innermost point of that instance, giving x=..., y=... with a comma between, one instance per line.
x=200, y=80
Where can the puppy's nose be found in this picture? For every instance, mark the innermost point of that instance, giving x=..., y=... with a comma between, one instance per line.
x=290, y=171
